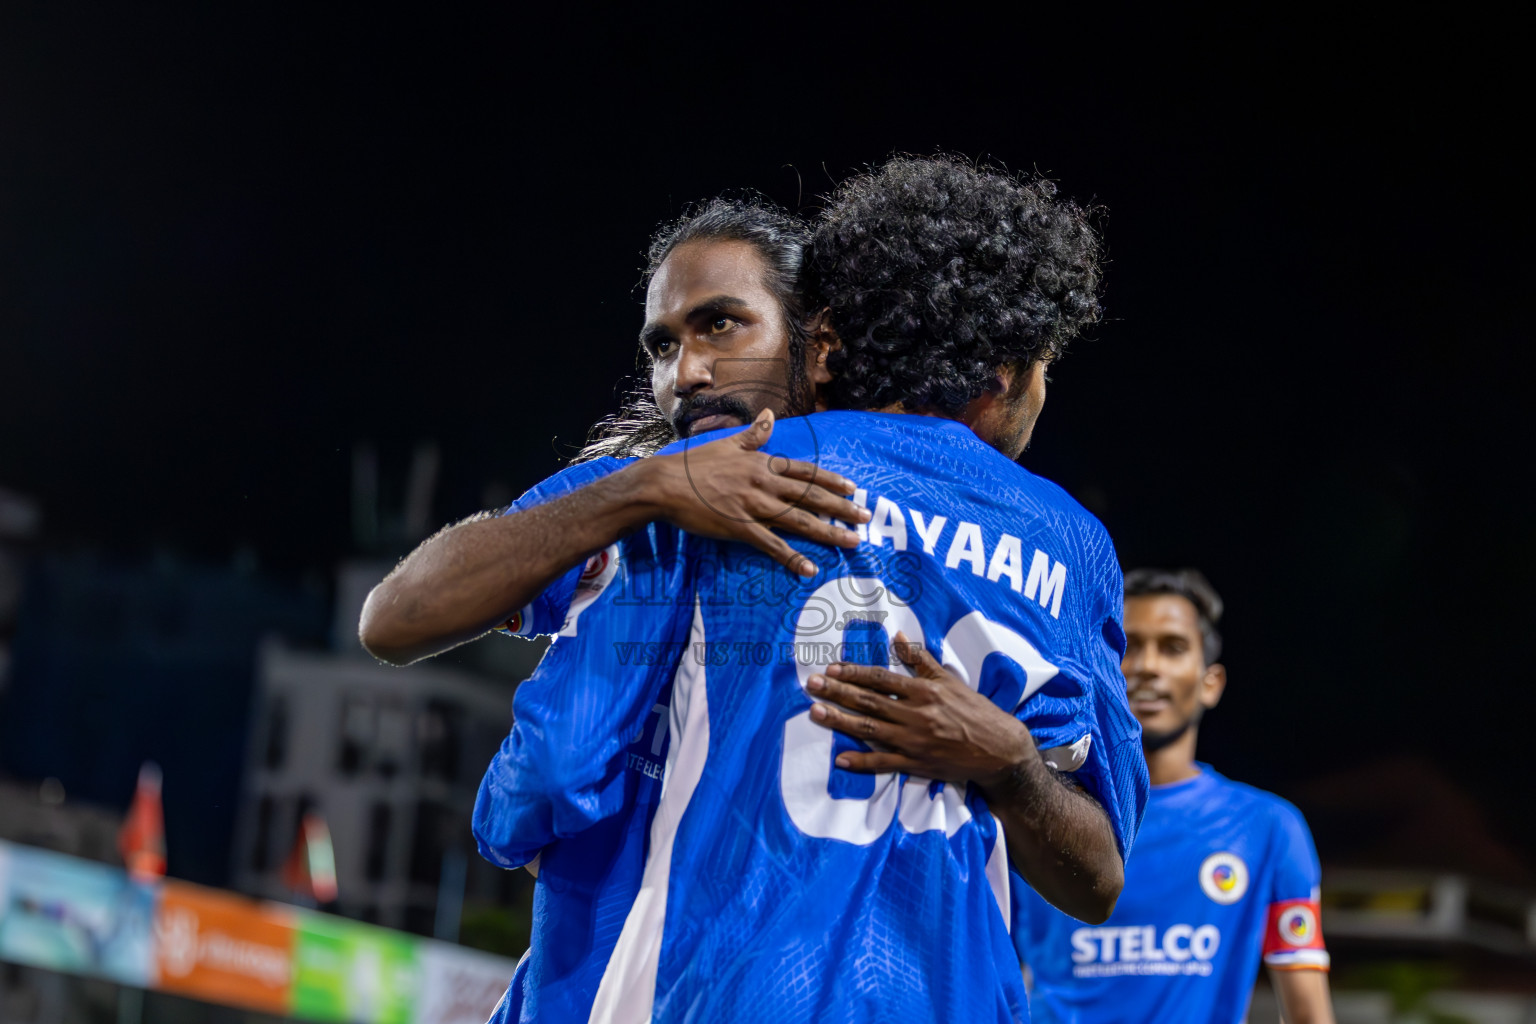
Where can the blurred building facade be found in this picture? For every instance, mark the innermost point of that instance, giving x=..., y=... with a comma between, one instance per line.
x=120, y=661
x=390, y=757
x=38, y=815
x=252, y=693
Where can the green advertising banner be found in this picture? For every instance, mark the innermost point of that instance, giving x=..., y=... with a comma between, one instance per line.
x=68, y=914
x=352, y=973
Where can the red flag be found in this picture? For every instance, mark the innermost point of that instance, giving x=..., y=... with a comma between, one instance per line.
x=311, y=867
x=142, y=837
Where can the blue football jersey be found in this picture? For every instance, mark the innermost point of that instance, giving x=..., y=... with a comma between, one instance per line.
x=585, y=884
x=1224, y=875
x=777, y=886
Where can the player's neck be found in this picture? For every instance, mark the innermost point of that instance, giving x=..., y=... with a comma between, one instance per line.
x=1175, y=762
x=901, y=410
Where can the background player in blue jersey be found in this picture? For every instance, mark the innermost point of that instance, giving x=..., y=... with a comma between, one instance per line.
x=1224, y=874
x=575, y=751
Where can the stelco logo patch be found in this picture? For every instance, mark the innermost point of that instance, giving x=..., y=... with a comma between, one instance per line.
x=1224, y=877
x=1139, y=950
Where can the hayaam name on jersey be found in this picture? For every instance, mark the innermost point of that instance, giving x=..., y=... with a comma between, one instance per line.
x=1046, y=579
x=1045, y=582
x=804, y=892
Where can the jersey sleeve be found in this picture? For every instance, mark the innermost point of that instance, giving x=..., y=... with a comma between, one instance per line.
x=1293, y=934
x=1101, y=747
x=1096, y=737
x=561, y=769
x=546, y=613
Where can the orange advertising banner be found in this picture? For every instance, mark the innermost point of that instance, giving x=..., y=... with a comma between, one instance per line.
x=215, y=946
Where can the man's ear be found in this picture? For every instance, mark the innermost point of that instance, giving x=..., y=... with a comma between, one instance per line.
x=1213, y=684
x=823, y=342
x=1010, y=376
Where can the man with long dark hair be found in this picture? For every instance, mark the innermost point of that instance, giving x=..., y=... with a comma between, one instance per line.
x=733, y=297
x=722, y=289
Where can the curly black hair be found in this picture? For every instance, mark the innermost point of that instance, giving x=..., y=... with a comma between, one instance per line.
x=936, y=272
x=780, y=238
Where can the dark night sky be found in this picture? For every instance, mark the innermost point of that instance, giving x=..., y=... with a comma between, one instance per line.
x=235, y=242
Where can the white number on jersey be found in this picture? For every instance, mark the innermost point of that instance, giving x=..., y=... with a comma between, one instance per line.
x=806, y=770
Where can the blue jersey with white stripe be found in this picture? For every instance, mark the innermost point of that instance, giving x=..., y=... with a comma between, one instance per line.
x=776, y=885
x=587, y=875
x=1224, y=875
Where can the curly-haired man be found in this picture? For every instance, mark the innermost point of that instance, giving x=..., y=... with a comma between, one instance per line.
x=779, y=882
x=943, y=280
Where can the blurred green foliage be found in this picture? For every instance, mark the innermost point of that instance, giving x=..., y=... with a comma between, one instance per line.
x=1409, y=983
x=502, y=930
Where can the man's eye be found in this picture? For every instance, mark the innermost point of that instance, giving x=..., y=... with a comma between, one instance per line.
x=662, y=348
x=720, y=324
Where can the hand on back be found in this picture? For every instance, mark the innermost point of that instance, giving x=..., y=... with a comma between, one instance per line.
x=731, y=490
x=928, y=723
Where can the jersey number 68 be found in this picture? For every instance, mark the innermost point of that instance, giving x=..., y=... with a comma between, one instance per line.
x=806, y=766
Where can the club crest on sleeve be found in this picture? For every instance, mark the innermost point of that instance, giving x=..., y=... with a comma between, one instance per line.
x=595, y=565
x=1293, y=937
x=599, y=571
x=514, y=624
x=1224, y=877
x=1297, y=926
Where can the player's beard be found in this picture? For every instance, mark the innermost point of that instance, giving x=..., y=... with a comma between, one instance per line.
x=1152, y=742
x=799, y=397
x=698, y=406
x=1017, y=402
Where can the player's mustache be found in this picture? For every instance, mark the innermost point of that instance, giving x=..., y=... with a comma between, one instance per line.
x=699, y=406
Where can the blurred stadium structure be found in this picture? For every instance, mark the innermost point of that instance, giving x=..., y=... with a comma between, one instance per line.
x=1428, y=915
x=393, y=758
x=253, y=694
x=1421, y=945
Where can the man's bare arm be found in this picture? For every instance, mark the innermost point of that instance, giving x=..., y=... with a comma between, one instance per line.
x=474, y=576
x=1303, y=995
x=1059, y=838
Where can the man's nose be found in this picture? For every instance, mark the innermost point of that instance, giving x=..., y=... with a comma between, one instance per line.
x=695, y=369
x=1137, y=667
